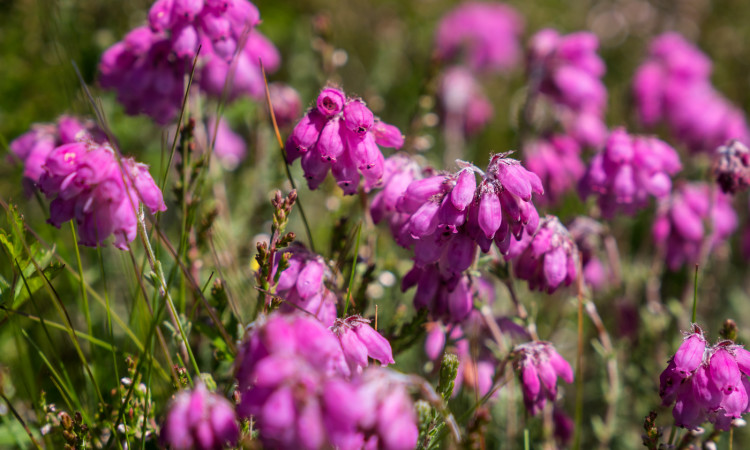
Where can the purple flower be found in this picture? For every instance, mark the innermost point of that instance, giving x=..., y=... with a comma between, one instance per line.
x=673, y=85
x=32, y=147
x=450, y=298
x=628, y=171
x=463, y=102
x=286, y=103
x=550, y=259
x=148, y=67
x=538, y=366
x=390, y=421
x=201, y=420
x=587, y=235
x=557, y=161
x=360, y=341
x=342, y=136
x=229, y=147
x=88, y=183
x=568, y=71
x=302, y=284
x=487, y=34
x=678, y=226
x=706, y=382
x=732, y=167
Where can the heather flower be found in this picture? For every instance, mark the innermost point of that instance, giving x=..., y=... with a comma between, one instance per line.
x=732, y=167
x=342, y=136
x=286, y=103
x=148, y=67
x=673, y=86
x=557, y=161
x=679, y=224
x=628, y=171
x=706, y=382
x=587, y=235
x=450, y=298
x=303, y=284
x=88, y=183
x=360, y=341
x=568, y=72
x=199, y=419
x=32, y=147
x=487, y=34
x=538, y=366
x=228, y=147
x=463, y=102
x=551, y=258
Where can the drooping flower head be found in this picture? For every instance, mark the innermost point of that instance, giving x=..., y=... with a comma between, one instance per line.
x=89, y=183
x=538, y=366
x=628, y=171
x=679, y=229
x=568, y=72
x=148, y=67
x=199, y=420
x=673, y=85
x=485, y=34
x=706, y=382
x=360, y=341
x=449, y=297
x=32, y=147
x=557, y=161
x=732, y=167
x=550, y=259
x=341, y=135
x=303, y=283
x=295, y=383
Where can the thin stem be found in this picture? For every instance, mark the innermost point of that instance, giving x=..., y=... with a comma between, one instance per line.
x=84, y=296
x=354, y=266
x=695, y=294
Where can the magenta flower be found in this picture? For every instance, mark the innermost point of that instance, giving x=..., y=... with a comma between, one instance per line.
x=32, y=147
x=673, y=86
x=360, y=341
x=628, y=171
x=732, y=167
x=568, y=71
x=89, y=183
x=148, y=67
x=487, y=34
x=550, y=259
x=303, y=284
x=706, y=382
x=557, y=161
x=286, y=103
x=342, y=136
x=463, y=102
x=229, y=147
x=199, y=420
x=678, y=227
x=538, y=366
x=587, y=235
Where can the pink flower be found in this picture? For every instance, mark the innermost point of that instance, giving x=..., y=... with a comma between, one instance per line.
x=732, y=167
x=539, y=365
x=360, y=341
x=557, y=162
x=287, y=105
x=463, y=102
x=200, y=420
x=229, y=147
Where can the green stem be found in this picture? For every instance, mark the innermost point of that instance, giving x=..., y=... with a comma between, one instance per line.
x=354, y=266
x=695, y=293
x=82, y=283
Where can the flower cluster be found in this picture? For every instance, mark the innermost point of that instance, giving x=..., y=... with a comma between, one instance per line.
x=88, y=182
x=549, y=259
x=199, y=420
x=539, y=365
x=464, y=105
x=706, y=382
x=732, y=167
x=568, y=71
x=628, y=171
x=302, y=283
x=557, y=161
x=450, y=297
x=359, y=340
x=148, y=67
x=341, y=135
x=486, y=33
x=292, y=378
x=679, y=224
x=32, y=147
x=673, y=86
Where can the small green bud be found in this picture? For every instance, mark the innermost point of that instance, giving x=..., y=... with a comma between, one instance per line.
x=448, y=372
